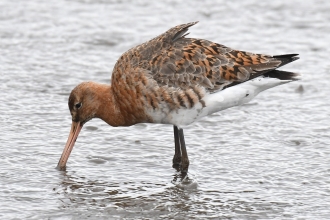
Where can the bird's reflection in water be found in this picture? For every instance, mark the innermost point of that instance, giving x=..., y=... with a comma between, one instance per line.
x=125, y=198
x=179, y=198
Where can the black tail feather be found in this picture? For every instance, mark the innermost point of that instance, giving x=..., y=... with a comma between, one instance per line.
x=282, y=75
x=279, y=74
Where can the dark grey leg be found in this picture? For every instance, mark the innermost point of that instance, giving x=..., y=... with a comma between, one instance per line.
x=184, y=159
x=177, y=155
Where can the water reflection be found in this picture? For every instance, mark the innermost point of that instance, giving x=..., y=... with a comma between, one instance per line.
x=181, y=199
x=123, y=198
x=184, y=181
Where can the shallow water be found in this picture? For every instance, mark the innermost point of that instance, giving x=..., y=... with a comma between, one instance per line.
x=268, y=159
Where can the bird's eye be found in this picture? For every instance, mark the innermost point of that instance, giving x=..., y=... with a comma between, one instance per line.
x=78, y=105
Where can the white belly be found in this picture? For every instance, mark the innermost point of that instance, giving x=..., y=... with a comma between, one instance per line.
x=214, y=102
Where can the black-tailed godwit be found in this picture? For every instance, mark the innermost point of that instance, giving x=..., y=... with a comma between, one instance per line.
x=175, y=80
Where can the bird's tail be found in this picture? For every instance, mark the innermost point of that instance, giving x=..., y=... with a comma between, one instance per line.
x=283, y=75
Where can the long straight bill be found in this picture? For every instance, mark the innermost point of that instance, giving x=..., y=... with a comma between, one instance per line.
x=75, y=129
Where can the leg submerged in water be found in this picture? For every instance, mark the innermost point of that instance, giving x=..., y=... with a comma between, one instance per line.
x=184, y=159
x=181, y=156
x=177, y=154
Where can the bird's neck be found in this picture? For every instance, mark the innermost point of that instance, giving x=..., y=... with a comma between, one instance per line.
x=108, y=109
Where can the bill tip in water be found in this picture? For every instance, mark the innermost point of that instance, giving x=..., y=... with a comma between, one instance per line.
x=61, y=168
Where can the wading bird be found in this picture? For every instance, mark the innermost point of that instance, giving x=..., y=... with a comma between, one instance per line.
x=175, y=80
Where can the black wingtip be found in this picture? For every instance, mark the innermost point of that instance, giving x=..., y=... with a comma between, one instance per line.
x=286, y=58
x=286, y=55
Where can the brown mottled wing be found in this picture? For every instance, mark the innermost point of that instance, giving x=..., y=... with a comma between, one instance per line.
x=180, y=62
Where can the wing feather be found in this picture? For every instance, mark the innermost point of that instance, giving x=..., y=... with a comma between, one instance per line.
x=173, y=60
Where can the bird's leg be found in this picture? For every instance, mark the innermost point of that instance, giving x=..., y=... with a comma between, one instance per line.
x=184, y=159
x=177, y=154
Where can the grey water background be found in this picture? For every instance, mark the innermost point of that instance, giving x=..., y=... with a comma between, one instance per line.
x=269, y=159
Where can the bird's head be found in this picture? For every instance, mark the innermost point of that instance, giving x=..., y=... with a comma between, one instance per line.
x=83, y=102
x=83, y=105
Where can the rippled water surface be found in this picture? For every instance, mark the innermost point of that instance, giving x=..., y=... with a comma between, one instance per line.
x=269, y=159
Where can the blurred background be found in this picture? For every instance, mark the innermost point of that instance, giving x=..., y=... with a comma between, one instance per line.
x=268, y=159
